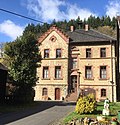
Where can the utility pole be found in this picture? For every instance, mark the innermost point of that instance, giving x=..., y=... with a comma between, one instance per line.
x=117, y=54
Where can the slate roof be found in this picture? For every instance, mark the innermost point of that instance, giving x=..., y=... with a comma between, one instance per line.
x=80, y=35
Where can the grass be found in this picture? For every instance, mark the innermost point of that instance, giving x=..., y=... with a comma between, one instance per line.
x=114, y=108
x=6, y=108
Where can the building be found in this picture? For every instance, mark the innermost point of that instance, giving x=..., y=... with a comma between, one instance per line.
x=3, y=80
x=77, y=62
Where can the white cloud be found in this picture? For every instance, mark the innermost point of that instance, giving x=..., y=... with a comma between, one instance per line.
x=73, y=11
x=11, y=29
x=113, y=8
x=48, y=10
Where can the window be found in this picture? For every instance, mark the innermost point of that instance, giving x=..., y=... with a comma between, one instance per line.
x=53, y=38
x=58, y=53
x=88, y=53
x=88, y=72
x=57, y=72
x=44, y=91
x=102, y=52
x=74, y=63
x=103, y=92
x=103, y=73
x=46, y=53
x=45, y=72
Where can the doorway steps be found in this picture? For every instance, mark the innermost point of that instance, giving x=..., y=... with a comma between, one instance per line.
x=71, y=97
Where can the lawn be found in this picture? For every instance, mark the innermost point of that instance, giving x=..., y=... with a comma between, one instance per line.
x=114, y=108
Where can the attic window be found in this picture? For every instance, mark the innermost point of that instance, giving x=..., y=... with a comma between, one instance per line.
x=53, y=38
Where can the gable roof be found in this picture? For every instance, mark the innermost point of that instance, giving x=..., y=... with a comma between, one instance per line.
x=78, y=35
x=54, y=28
x=88, y=36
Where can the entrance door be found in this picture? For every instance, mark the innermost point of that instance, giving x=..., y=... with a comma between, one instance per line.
x=57, y=94
x=74, y=83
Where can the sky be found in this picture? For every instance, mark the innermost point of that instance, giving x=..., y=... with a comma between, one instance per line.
x=12, y=26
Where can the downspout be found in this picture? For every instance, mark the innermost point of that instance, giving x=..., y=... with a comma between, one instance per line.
x=112, y=71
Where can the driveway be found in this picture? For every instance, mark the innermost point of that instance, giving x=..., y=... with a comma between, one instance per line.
x=45, y=114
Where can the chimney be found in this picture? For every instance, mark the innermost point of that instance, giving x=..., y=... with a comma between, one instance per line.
x=72, y=28
x=86, y=27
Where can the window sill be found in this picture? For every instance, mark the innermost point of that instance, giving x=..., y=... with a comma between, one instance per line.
x=88, y=78
x=103, y=57
x=103, y=79
x=58, y=78
x=46, y=57
x=103, y=96
x=45, y=78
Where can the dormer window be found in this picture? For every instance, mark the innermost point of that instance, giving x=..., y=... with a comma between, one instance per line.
x=46, y=53
x=58, y=53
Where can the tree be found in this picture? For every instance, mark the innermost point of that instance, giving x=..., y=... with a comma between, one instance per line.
x=107, y=30
x=24, y=55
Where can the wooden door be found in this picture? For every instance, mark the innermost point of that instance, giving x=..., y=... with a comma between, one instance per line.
x=57, y=94
x=74, y=83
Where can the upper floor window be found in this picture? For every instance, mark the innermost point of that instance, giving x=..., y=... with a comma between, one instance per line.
x=88, y=72
x=102, y=52
x=44, y=91
x=46, y=53
x=103, y=92
x=58, y=53
x=46, y=72
x=88, y=53
x=103, y=72
x=57, y=72
x=74, y=63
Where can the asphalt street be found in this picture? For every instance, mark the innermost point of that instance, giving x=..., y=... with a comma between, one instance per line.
x=46, y=114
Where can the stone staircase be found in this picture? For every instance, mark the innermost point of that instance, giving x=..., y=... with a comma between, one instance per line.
x=72, y=97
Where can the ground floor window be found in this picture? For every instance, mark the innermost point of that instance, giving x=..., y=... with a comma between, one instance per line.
x=44, y=91
x=103, y=92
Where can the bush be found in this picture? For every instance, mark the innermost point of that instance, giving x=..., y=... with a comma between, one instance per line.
x=86, y=104
x=23, y=95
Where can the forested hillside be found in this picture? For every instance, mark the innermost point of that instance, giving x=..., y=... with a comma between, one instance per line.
x=103, y=24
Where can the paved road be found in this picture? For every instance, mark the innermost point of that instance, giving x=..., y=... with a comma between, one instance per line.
x=45, y=114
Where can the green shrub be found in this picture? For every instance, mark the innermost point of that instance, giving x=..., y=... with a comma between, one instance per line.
x=86, y=104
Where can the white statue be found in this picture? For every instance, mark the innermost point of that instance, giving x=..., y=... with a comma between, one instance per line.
x=106, y=104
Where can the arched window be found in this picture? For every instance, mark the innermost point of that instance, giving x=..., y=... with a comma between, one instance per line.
x=103, y=92
x=44, y=91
